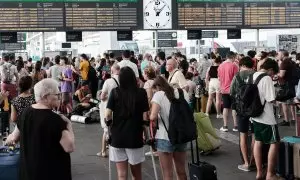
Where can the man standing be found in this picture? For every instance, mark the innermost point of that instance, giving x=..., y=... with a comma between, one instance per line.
x=176, y=77
x=226, y=72
x=162, y=60
x=127, y=63
x=265, y=128
x=246, y=65
x=84, y=67
x=108, y=86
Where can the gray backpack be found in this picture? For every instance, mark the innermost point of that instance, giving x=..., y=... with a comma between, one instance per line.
x=5, y=73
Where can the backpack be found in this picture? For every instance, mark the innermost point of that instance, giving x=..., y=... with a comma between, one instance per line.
x=182, y=126
x=6, y=68
x=247, y=99
x=92, y=74
x=295, y=75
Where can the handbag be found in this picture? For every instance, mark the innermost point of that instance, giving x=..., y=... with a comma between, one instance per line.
x=284, y=92
x=200, y=170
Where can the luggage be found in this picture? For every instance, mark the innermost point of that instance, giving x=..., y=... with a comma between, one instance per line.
x=80, y=119
x=207, y=139
x=296, y=157
x=9, y=163
x=201, y=170
x=285, y=164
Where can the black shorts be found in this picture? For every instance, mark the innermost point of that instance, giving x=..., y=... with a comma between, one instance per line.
x=227, y=101
x=244, y=124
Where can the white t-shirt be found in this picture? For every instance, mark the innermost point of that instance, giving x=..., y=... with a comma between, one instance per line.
x=128, y=63
x=161, y=99
x=12, y=72
x=108, y=86
x=56, y=72
x=148, y=84
x=177, y=78
x=266, y=92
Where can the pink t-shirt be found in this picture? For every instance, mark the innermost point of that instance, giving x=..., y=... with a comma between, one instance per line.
x=226, y=72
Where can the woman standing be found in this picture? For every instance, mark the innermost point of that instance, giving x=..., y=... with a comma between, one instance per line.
x=213, y=85
x=24, y=100
x=21, y=70
x=168, y=153
x=127, y=108
x=38, y=73
x=149, y=76
x=66, y=84
x=46, y=138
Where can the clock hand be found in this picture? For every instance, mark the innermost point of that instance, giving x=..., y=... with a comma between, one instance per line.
x=162, y=8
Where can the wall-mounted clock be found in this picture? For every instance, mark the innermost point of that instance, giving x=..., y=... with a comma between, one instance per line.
x=157, y=14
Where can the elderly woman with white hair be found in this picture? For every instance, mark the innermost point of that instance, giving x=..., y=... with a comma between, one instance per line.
x=46, y=138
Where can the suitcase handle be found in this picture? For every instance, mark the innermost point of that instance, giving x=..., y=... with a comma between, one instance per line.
x=197, y=153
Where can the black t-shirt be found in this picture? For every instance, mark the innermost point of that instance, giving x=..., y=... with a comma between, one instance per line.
x=127, y=132
x=288, y=66
x=42, y=156
x=213, y=72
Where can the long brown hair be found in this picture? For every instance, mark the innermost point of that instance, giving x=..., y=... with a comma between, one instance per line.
x=163, y=85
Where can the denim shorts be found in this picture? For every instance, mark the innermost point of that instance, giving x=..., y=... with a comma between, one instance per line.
x=166, y=146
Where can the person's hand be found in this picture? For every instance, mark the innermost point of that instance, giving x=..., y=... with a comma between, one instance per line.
x=67, y=120
x=89, y=96
x=10, y=140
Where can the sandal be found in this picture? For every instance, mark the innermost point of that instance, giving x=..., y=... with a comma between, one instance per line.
x=102, y=154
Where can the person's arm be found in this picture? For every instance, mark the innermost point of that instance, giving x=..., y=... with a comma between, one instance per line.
x=16, y=75
x=207, y=78
x=69, y=76
x=67, y=140
x=50, y=72
x=155, y=108
x=182, y=81
x=13, y=114
x=104, y=92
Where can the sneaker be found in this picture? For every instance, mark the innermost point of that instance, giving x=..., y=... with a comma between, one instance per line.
x=235, y=129
x=284, y=123
x=224, y=129
x=206, y=114
x=243, y=167
x=219, y=116
x=149, y=153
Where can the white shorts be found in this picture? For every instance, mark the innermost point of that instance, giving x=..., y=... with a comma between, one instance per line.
x=133, y=156
x=214, y=86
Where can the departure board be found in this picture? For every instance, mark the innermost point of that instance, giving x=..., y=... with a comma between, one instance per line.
x=198, y=14
x=31, y=16
x=102, y=15
x=277, y=14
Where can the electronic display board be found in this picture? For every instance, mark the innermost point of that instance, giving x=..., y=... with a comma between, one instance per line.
x=201, y=14
x=102, y=15
x=30, y=15
x=272, y=14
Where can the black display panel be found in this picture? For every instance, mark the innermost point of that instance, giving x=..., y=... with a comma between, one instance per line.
x=277, y=14
x=122, y=15
x=74, y=36
x=124, y=35
x=194, y=34
x=65, y=45
x=31, y=16
x=8, y=37
x=234, y=34
x=195, y=14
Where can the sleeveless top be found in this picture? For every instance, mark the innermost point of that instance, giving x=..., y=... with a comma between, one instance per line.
x=213, y=72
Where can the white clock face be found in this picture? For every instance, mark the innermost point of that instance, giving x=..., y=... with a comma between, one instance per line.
x=157, y=14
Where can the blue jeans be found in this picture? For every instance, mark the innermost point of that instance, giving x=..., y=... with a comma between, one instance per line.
x=166, y=146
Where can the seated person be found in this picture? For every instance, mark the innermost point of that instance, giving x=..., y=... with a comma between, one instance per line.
x=83, y=100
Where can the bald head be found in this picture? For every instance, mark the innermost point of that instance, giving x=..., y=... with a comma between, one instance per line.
x=171, y=65
x=115, y=69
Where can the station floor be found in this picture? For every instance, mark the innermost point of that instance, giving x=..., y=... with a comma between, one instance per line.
x=87, y=166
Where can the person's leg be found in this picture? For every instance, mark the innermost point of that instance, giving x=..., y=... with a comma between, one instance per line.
x=272, y=159
x=103, y=145
x=166, y=165
x=218, y=103
x=244, y=147
x=258, y=158
x=209, y=103
x=122, y=170
x=243, y=127
x=233, y=112
x=136, y=171
x=285, y=115
x=293, y=112
x=179, y=161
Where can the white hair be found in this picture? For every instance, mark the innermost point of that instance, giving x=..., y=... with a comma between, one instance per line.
x=45, y=87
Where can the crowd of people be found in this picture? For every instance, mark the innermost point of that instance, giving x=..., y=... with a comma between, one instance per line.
x=133, y=90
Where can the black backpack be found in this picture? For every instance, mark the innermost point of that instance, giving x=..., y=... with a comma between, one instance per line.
x=247, y=99
x=182, y=127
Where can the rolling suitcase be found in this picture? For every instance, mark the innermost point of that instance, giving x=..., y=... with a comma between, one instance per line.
x=199, y=170
x=9, y=163
x=296, y=160
x=285, y=164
